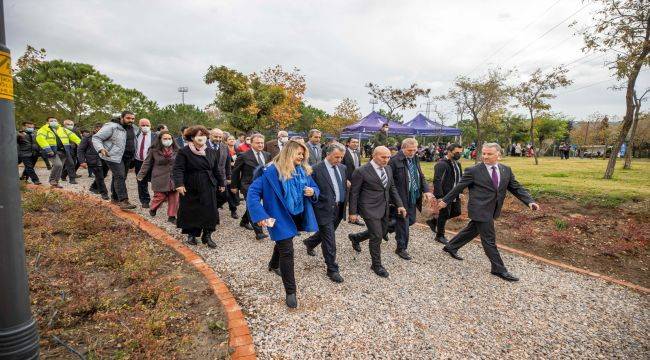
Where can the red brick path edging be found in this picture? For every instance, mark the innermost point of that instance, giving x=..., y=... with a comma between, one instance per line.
x=239, y=336
x=564, y=266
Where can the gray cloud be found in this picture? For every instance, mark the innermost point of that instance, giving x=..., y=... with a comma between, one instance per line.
x=156, y=46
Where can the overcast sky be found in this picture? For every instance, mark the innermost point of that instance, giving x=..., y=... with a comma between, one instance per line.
x=157, y=46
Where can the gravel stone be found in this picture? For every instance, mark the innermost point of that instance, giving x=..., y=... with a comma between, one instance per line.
x=430, y=307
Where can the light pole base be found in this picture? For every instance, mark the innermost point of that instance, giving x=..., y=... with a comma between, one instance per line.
x=19, y=342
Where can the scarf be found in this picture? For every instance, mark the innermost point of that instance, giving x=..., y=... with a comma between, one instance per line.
x=167, y=152
x=197, y=151
x=414, y=181
x=294, y=189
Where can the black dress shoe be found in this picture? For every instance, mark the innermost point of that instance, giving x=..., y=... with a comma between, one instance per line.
x=211, y=243
x=206, y=238
x=247, y=226
x=233, y=214
x=105, y=197
x=380, y=271
x=335, y=276
x=145, y=205
x=358, y=223
x=152, y=212
x=261, y=236
x=291, y=301
x=506, y=276
x=191, y=239
x=310, y=250
x=403, y=254
x=355, y=243
x=73, y=181
x=172, y=219
x=275, y=270
x=443, y=240
x=452, y=253
x=433, y=224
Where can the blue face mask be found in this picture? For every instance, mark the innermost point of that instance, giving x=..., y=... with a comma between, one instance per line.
x=29, y=130
x=54, y=124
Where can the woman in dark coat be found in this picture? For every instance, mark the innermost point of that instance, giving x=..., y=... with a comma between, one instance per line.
x=160, y=162
x=196, y=177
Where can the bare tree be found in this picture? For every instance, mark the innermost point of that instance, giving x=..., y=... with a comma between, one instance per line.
x=395, y=99
x=533, y=93
x=480, y=97
x=630, y=145
x=621, y=26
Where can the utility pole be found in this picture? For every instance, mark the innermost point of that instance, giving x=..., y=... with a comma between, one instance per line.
x=18, y=330
x=183, y=90
x=373, y=102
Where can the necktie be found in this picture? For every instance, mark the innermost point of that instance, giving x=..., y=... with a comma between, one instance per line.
x=356, y=157
x=142, y=147
x=456, y=173
x=216, y=146
x=383, y=177
x=495, y=178
x=259, y=158
x=340, y=184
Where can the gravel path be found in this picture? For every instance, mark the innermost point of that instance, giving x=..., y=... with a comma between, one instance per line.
x=430, y=307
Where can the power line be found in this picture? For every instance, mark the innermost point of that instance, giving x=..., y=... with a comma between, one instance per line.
x=516, y=36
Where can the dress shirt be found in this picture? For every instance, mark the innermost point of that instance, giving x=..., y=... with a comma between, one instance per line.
x=489, y=169
x=335, y=183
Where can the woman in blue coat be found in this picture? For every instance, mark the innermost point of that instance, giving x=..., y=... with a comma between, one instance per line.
x=281, y=199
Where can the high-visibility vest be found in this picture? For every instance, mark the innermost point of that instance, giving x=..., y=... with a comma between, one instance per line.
x=47, y=140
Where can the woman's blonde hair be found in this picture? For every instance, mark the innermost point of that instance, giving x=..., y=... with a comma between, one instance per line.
x=284, y=160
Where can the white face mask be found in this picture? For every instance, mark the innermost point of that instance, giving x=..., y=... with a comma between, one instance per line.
x=200, y=140
x=167, y=143
x=284, y=139
x=145, y=129
x=69, y=127
x=54, y=124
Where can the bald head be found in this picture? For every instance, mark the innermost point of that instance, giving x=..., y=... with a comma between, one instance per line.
x=381, y=155
x=216, y=135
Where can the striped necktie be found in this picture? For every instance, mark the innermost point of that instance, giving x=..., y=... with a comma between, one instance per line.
x=383, y=177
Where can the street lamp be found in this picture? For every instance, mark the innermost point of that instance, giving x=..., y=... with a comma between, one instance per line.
x=18, y=330
x=183, y=90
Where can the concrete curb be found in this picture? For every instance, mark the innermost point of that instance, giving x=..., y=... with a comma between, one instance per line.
x=562, y=265
x=239, y=335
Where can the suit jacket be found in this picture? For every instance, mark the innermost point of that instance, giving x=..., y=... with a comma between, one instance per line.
x=272, y=147
x=348, y=161
x=399, y=165
x=368, y=197
x=313, y=157
x=443, y=177
x=485, y=202
x=242, y=171
x=326, y=208
x=224, y=159
x=180, y=142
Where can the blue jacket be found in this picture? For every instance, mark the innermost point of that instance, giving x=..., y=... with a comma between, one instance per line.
x=265, y=200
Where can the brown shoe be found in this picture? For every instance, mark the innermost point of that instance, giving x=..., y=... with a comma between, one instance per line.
x=126, y=205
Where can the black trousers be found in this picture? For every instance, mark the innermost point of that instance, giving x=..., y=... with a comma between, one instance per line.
x=227, y=197
x=196, y=232
x=402, y=226
x=377, y=229
x=118, y=180
x=98, y=183
x=29, y=162
x=327, y=239
x=143, y=186
x=283, y=258
x=247, y=219
x=488, y=240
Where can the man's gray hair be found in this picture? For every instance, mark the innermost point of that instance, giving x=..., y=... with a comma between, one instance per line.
x=282, y=133
x=335, y=146
x=257, y=135
x=313, y=131
x=409, y=142
x=492, y=145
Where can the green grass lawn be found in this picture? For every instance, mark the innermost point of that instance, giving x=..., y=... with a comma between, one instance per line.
x=580, y=179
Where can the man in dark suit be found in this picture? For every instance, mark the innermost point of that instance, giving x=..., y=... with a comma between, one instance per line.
x=242, y=177
x=180, y=140
x=223, y=196
x=330, y=176
x=371, y=193
x=412, y=187
x=352, y=160
x=144, y=138
x=314, y=147
x=273, y=147
x=447, y=174
x=487, y=183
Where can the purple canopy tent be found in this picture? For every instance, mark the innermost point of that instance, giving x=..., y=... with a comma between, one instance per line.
x=371, y=123
x=425, y=127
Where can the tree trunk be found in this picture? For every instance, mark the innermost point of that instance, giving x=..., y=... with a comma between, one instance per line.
x=629, y=106
x=532, y=137
x=630, y=144
x=479, y=139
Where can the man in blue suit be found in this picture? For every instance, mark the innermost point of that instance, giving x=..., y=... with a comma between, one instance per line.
x=330, y=176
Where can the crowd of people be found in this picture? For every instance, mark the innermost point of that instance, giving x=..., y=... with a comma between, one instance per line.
x=289, y=186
